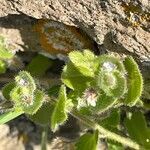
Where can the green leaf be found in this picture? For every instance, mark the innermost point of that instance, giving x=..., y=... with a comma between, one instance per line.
x=73, y=78
x=53, y=91
x=24, y=94
x=2, y=67
x=4, y=118
x=16, y=95
x=25, y=80
x=104, y=102
x=146, y=91
x=84, y=62
x=4, y=52
x=28, y=103
x=112, y=121
x=38, y=100
x=114, y=146
x=88, y=141
x=43, y=115
x=39, y=65
x=59, y=115
x=113, y=84
x=114, y=63
x=138, y=130
x=7, y=89
x=135, y=81
x=21, y=95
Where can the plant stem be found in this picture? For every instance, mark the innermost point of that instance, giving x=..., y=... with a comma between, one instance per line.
x=105, y=132
x=44, y=138
x=108, y=134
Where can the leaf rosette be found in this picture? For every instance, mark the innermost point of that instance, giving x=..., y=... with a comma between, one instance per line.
x=100, y=82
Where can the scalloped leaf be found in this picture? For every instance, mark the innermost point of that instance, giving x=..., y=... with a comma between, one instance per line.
x=88, y=141
x=115, y=63
x=135, y=81
x=2, y=67
x=39, y=65
x=20, y=96
x=84, y=62
x=113, y=84
x=103, y=103
x=138, y=130
x=59, y=115
x=38, y=100
x=24, y=79
x=28, y=103
x=121, y=85
x=73, y=78
x=43, y=115
x=16, y=95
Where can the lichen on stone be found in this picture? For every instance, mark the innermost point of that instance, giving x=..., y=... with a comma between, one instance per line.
x=58, y=38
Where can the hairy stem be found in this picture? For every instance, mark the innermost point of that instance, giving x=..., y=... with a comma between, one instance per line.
x=108, y=134
x=105, y=132
x=44, y=138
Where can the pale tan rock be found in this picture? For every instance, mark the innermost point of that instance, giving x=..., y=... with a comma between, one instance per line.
x=8, y=142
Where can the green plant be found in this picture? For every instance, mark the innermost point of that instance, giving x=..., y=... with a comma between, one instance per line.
x=91, y=86
x=5, y=55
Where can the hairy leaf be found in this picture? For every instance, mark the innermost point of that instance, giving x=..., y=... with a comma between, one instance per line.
x=135, y=81
x=138, y=130
x=28, y=103
x=73, y=78
x=39, y=65
x=2, y=67
x=113, y=84
x=88, y=141
x=104, y=102
x=84, y=62
x=38, y=100
x=24, y=79
x=59, y=115
x=7, y=89
x=110, y=63
x=16, y=95
x=112, y=121
x=43, y=115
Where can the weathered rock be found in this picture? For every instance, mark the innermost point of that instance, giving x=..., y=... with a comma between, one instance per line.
x=8, y=142
x=18, y=32
x=122, y=26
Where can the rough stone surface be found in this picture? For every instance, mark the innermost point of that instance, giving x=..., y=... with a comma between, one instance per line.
x=18, y=32
x=110, y=22
x=9, y=142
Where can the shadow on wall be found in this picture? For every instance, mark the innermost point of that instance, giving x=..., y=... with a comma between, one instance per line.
x=18, y=30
